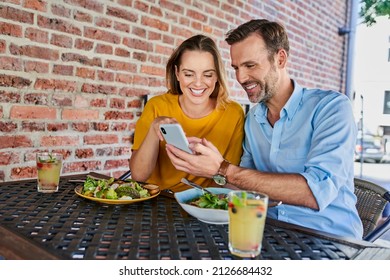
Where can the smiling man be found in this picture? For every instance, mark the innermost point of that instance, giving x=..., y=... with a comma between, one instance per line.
x=299, y=142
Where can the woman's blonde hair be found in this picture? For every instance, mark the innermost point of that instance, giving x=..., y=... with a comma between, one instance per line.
x=204, y=44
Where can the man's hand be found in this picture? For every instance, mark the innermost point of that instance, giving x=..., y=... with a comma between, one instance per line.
x=204, y=162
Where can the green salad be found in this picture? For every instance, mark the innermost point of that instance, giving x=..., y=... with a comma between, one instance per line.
x=112, y=189
x=214, y=201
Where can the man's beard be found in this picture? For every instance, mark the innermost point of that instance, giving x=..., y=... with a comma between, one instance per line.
x=267, y=88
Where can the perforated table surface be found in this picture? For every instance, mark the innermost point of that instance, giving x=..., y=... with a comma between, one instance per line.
x=65, y=226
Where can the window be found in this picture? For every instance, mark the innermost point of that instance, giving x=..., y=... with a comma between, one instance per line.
x=386, y=104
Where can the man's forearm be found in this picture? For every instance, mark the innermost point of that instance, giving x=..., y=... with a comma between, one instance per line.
x=289, y=188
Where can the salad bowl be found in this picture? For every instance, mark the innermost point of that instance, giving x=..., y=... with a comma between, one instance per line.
x=206, y=215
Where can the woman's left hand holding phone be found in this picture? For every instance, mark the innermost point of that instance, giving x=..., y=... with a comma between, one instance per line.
x=161, y=120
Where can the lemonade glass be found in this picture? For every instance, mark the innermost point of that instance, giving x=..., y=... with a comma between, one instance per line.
x=247, y=213
x=49, y=171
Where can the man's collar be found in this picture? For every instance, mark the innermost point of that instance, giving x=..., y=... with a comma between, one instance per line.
x=290, y=108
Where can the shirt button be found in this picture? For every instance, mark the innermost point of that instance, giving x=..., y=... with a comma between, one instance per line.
x=282, y=212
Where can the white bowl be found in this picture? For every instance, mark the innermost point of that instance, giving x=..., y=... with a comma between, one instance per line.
x=206, y=215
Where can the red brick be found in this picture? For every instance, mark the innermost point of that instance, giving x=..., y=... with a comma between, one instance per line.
x=114, y=164
x=122, y=151
x=7, y=158
x=140, y=32
x=93, y=5
x=106, y=49
x=16, y=15
x=117, y=103
x=103, y=152
x=3, y=45
x=66, y=70
x=105, y=76
x=81, y=102
x=122, y=52
x=120, y=65
x=90, y=88
x=85, y=73
x=15, y=141
x=23, y=172
x=38, y=5
x=100, y=126
x=164, y=50
x=100, y=139
x=32, y=112
x=119, y=127
x=81, y=127
x=157, y=59
x=11, y=29
x=52, y=141
x=45, y=84
x=152, y=70
x=57, y=126
x=170, y=6
x=81, y=167
x=7, y=127
x=83, y=44
x=98, y=102
x=197, y=15
x=98, y=34
x=128, y=3
x=84, y=17
x=122, y=27
x=103, y=22
x=33, y=126
x=34, y=51
x=10, y=63
x=133, y=92
x=136, y=103
x=36, y=35
x=61, y=100
x=84, y=153
x=122, y=13
x=36, y=98
x=140, y=56
x=61, y=41
x=124, y=78
x=79, y=114
x=36, y=66
x=115, y=115
x=81, y=59
x=9, y=97
x=59, y=25
x=61, y=11
x=156, y=11
x=138, y=44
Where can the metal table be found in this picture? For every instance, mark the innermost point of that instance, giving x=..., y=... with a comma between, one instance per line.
x=65, y=226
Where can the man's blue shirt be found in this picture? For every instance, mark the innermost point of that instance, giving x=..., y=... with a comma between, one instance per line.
x=315, y=137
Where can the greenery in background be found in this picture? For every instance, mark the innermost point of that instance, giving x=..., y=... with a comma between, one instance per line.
x=370, y=9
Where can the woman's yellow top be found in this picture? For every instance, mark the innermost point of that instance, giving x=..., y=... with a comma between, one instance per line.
x=223, y=127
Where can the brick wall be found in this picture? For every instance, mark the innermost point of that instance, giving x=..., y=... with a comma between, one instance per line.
x=73, y=73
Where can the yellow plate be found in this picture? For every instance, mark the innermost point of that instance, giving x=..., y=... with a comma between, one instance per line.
x=78, y=189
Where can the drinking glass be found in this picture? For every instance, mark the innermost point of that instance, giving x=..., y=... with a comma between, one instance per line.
x=49, y=171
x=247, y=213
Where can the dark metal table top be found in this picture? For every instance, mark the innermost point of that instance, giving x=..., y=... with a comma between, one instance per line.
x=65, y=226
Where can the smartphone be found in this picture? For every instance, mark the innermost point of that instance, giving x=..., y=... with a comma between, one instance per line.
x=173, y=134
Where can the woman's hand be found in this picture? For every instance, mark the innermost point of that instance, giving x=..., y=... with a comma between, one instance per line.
x=156, y=125
x=204, y=163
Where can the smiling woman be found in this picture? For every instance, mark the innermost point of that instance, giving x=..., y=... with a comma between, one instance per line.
x=198, y=99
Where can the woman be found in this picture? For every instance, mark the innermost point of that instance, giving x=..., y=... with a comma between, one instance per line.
x=198, y=99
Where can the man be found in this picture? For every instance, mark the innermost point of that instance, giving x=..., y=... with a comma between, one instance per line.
x=299, y=142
